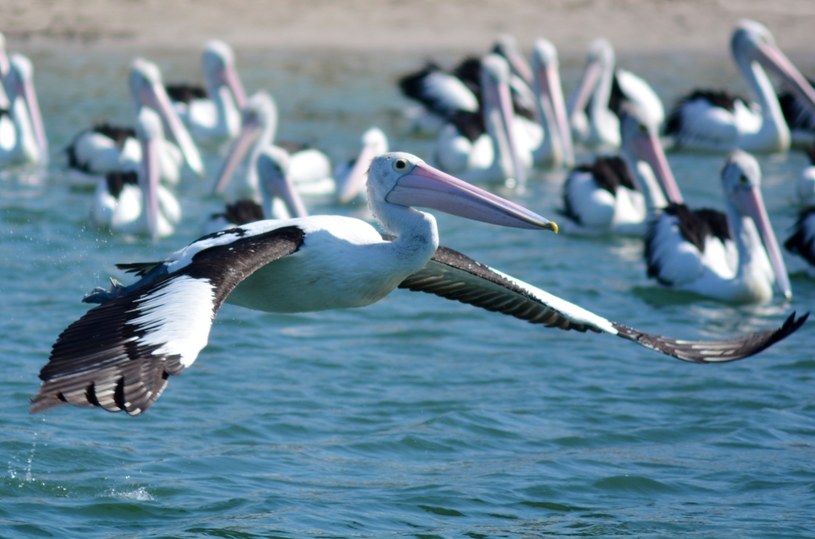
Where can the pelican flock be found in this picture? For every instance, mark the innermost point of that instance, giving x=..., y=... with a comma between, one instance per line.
x=496, y=120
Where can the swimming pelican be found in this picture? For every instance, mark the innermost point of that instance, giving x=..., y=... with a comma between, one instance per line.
x=733, y=256
x=595, y=103
x=618, y=194
x=22, y=134
x=481, y=147
x=309, y=168
x=352, y=175
x=135, y=203
x=105, y=148
x=212, y=114
x=120, y=354
x=279, y=198
x=714, y=120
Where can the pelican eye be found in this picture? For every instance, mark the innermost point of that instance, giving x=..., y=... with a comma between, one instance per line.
x=401, y=164
x=744, y=180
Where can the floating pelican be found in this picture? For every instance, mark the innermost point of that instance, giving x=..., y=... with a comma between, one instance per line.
x=619, y=194
x=22, y=134
x=481, y=147
x=279, y=198
x=715, y=120
x=309, y=168
x=134, y=203
x=120, y=354
x=731, y=257
x=595, y=103
x=352, y=175
x=105, y=148
x=212, y=114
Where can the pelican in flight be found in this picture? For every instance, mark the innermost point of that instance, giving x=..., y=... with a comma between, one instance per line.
x=279, y=198
x=594, y=106
x=212, y=113
x=22, y=134
x=135, y=203
x=309, y=168
x=732, y=256
x=619, y=194
x=105, y=148
x=718, y=121
x=121, y=353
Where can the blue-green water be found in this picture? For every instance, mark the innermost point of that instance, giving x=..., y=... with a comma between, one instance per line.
x=415, y=417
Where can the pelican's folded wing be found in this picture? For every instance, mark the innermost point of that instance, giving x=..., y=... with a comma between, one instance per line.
x=454, y=276
x=120, y=354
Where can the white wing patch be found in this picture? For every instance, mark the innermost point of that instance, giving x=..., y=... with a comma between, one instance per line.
x=574, y=312
x=177, y=318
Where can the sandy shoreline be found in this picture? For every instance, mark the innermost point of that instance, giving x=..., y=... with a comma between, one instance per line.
x=411, y=26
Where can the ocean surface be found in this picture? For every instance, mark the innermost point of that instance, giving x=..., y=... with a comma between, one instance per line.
x=417, y=416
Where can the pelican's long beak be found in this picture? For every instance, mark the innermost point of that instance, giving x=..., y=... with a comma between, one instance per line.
x=580, y=98
x=773, y=59
x=550, y=90
x=250, y=131
x=753, y=202
x=233, y=82
x=158, y=99
x=150, y=171
x=647, y=147
x=428, y=187
x=498, y=102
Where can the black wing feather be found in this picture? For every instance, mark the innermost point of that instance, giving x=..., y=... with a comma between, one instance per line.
x=103, y=359
x=454, y=276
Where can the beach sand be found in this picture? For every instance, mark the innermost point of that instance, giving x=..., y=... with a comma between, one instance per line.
x=408, y=26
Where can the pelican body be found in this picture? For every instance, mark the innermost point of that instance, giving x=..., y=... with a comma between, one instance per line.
x=121, y=353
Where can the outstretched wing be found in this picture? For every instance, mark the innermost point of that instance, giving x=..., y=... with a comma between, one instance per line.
x=454, y=276
x=120, y=354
